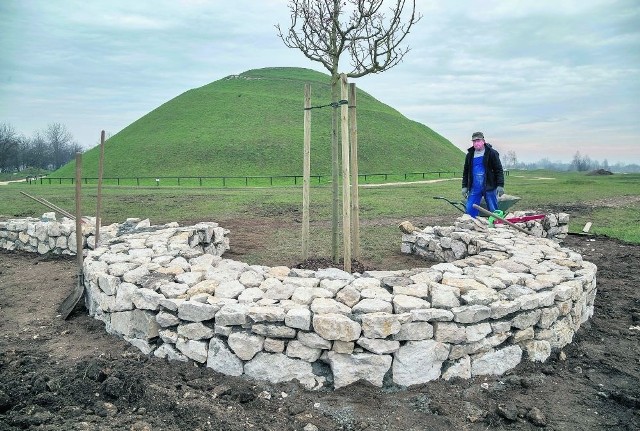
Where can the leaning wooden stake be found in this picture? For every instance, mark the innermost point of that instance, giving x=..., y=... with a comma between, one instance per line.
x=70, y=301
x=99, y=204
x=346, y=177
x=306, y=168
x=50, y=205
x=355, y=198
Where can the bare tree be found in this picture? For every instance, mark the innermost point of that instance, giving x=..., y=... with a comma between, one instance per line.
x=581, y=163
x=60, y=141
x=9, y=146
x=324, y=30
x=510, y=159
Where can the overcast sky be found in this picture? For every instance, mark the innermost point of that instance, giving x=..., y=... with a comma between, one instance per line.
x=542, y=78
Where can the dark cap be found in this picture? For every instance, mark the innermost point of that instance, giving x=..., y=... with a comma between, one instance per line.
x=477, y=135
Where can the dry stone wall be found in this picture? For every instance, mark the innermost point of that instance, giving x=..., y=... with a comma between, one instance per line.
x=170, y=292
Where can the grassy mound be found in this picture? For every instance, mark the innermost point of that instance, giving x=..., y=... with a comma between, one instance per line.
x=252, y=124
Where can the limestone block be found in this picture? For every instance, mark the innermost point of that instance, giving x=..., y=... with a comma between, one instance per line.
x=419, y=362
x=537, y=350
x=419, y=290
x=135, y=324
x=169, y=352
x=244, y=345
x=165, y=319
x=431, y=315
x=471, y=313
x=299, y=318
x=194, y=311
x=328, y=305
x=251, y=294
x=496, y=362
x=195, y=331
x=460, y=368
x=372, y=306
x=365, y=283
x=414, y=331
x=229, y=289
x=273, y=331
x=443, y=296
x=251, y=278
x=266, y=313
x=405, y=303
x=277, y=368
x=333, y=286
x=295, y=349
x=273, y=345
x=195, y=350
x=377, y=346
x=306, y=295
x=526, y=319
x=447, y=332
x=349, y=369
x=376, y=293
x=147, y=299
x=477, y=332
x=232, y=314
x=379, y=325
x=136, y=275
x=313, y=340
x=348, y=295
x=336, y=327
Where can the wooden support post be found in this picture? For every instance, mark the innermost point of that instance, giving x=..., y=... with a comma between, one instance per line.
x=79, y=236
x=306, y=171
x=99, y=199
x=355, y=198
x=346, y=177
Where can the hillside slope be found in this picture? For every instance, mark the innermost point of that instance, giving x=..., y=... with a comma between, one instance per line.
x=252, y=124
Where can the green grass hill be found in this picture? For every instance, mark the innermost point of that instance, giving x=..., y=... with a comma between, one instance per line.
x=252, y=124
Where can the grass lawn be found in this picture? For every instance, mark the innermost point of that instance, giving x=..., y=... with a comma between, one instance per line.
x=611, y=203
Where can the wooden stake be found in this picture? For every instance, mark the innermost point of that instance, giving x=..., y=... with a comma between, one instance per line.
x=306, y=171
x=355, y=198
x=346, y=180
x=79, y=236
x=99, y=204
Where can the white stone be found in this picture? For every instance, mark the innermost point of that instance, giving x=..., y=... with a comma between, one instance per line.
x=372, y=306
x=431, y=314
x=229, y=289
x=405, y=303
x=266, y=314
x=444, y=296
x=336, y=327
x=460, y=368
x=277, y=368
x=295, y=349
x=419, y=362
x=222, y=360
x=196, y=350
x=328, y=305
x=244, y=345
x=299, y=318
x=377, y=346
x=414, y=331
x=496, y=362
x=379, y=325
x=194, y=311
x=348, y=369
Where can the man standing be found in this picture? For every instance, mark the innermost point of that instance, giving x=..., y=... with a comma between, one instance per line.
x=482, y=175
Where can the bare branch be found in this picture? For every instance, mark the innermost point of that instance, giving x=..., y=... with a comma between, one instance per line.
x=323, y=30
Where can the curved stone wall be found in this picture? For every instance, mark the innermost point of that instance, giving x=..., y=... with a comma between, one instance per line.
x=517, y=297
x=167, y=290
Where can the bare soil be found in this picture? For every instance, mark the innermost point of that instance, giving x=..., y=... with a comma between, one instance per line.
x=71, y=375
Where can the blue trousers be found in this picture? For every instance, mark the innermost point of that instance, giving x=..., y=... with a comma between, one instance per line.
x=490, y=197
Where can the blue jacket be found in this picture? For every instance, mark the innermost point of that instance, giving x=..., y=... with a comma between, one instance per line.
x=494, y=174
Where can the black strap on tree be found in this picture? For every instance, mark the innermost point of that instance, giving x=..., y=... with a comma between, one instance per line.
x=332, y=104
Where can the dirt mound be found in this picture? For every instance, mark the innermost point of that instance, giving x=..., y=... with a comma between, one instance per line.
x=600, y=172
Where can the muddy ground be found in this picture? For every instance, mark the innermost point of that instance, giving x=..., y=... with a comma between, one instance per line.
x=71, y=375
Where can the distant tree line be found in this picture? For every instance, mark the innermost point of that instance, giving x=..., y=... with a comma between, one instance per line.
x=47, y=149
x=580, y=163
